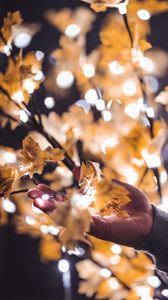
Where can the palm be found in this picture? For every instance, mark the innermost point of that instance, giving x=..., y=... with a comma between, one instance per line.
x=131, y=231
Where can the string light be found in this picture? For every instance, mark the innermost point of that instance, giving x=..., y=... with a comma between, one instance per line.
x=152, y=159
x=116, y=68
x=72, y=30
x=10, y=157
x=30, y=220
x=29, y=86
x=100, y=104
x=18, y=97
x=109, y=143
x=116, y=249
x=129, y=88
x=91, y=96
x=39, y=55
x=107, y=115
x=23, y=116
x=165, y=293
x=132, y=110
x=65, y=79
x=49, y=102
x=143, y=14
x=44, y=229
x=63, y=265
x=88, y=70
x=105, y=273
x=154, y=281
x=22, y=39
x=8, y=206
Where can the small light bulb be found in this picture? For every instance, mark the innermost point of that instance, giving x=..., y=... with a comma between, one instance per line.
x=88, y=70
x=132, y=110
x=23, y=116
x=91, y=96
x=49, y=102
x=115, y=67
x=129, y=88
x=65, y=79
x=30, y=220
x=8, y=206
x=72, y=30
x=107, y=115
x=143, y=14
x=22, y=39
x=63, y=265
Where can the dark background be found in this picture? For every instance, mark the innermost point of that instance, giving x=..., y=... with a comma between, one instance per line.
x=22, y=275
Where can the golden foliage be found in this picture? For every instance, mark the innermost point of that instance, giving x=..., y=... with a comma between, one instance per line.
x=7, y=177
x=34, y=158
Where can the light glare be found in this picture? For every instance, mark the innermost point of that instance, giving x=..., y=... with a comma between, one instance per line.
x=65, y=79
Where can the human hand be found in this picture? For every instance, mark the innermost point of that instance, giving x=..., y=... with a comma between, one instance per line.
x=131, y=231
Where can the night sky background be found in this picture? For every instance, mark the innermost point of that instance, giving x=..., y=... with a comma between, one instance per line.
x=22, y=275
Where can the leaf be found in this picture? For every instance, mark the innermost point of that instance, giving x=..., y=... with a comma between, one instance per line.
x=90, y=173
x=144, y=45
x=35, y=159
x=7, y=177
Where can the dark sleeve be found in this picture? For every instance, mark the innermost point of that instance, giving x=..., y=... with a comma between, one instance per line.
x=156, y=243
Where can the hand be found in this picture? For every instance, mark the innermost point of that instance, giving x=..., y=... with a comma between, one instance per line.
x=131, y=231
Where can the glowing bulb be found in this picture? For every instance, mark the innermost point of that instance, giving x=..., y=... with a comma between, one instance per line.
x=116, y=68
x=44, y=229
x=115, y=259
x=154, y=281
x=49, y=102
x=84, y=105
x=122, y=7
x=65, y=79
x=100, y=104
x=150, y=112
x=7, y=50
x=30, y=220
x=129, y=88
x=72, y=31
x=88, y=70
x=132, y=110
x=18, y=97
x=116, y=249
x=107, y=115
x=23, y=116
x=8, y=206
x=141, y=104
x=147, y=64
x=39, y=76
x=53, y=230
x=10, y=157
x=165, y=293
x=105, y=273
x=152, y=159
x=22, y=39
x=63, y=265
x=113, y=282
x=163, y=177
x=45, y=197
x=29, y=86
x=109, y=143
x=143, y=14
x=91, y=96
x=39, y=55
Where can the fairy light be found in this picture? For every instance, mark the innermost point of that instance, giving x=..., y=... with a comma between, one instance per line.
x=163, y=177
x=10, y=157
x=105, y=273
x=132, y=110
x=65, y=79
x=107, y=115
x=143, y=14
x=165, y=293
x=88, y=70
x=152, y=159
x=100, y=104
x=91, y=96
x=147, y=64
x=154, y=281
x=23, y=116
x=44, y=229
x=122, y=7
x=29, y=86
x=84, y=105
x=141, y=105
x=18, y=97
x=53, y=230
x=7, y=50
x=152, y=82
x=116, y=68
x=78, y=251
x=63, y=265
x=129, y=88
x=22, y=39
x=39, y=55
x=150, y=112
x=109, y=143
x=113, y=282
x=8, y=206
x=116, y=249
x=39, y=76
x=45, y=197
x=72, y=30
x=30, y=220
x=49, y=102
x=115, y=259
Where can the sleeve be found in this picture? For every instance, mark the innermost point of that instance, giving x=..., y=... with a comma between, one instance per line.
x=156, y=243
